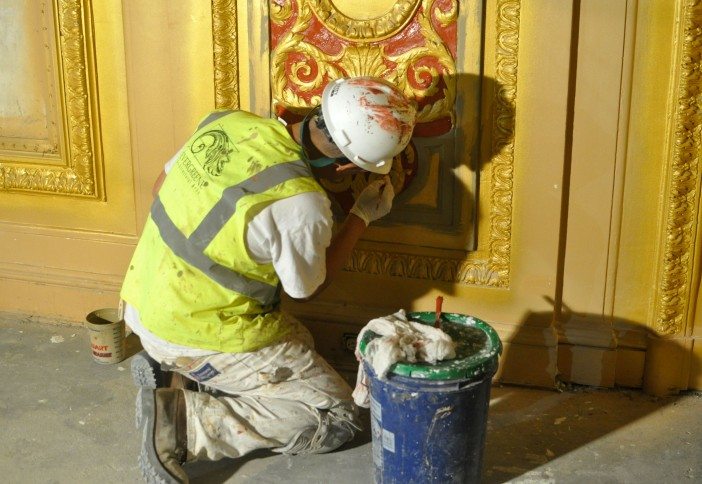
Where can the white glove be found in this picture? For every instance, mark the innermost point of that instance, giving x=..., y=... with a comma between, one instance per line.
x=375, y=201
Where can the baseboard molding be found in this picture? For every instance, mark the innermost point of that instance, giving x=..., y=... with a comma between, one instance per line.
x=51, y=293
x=61, y=273
x=528, y=365
x=60, y=277
x=598, y=353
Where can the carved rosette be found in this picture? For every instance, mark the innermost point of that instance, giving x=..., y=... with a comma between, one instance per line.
x=380, y=28
x=683, y=191
x=81, y=153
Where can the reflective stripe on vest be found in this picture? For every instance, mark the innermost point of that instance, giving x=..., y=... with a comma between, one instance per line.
x=191, y=249
x=214, y=117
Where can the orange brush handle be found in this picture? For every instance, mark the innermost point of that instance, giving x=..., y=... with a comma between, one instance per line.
x=439, y=303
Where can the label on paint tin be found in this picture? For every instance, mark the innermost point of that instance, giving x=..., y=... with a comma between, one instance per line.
x=377, y=432
x=388, y=441
x=376, y=409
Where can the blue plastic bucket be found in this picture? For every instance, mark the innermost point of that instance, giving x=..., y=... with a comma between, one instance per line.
x=428, y=422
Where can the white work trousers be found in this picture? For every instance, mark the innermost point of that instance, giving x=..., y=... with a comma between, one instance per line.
x=284, y=397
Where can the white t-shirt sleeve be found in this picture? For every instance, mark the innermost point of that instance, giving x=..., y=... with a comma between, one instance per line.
x=293, y=234
x=167, y=167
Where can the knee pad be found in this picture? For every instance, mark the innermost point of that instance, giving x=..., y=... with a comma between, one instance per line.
x=331, y=433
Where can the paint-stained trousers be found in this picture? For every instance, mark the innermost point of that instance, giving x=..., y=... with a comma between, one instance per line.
x=284, y=397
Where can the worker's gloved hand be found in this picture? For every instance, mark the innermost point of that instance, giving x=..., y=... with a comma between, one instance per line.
x=375, y=201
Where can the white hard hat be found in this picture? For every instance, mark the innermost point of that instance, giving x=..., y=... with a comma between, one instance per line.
x=369, y=120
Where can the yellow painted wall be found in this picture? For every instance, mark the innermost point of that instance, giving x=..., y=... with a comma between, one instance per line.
x=598, y=287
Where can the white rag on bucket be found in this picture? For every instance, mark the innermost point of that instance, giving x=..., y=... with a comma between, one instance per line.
x=400, y=340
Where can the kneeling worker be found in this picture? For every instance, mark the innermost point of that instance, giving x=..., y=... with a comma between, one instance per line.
x=238, y=215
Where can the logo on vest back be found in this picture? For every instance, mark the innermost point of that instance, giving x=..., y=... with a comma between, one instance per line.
x=212, y=149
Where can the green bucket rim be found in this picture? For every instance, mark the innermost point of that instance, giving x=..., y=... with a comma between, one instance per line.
x=471, y=366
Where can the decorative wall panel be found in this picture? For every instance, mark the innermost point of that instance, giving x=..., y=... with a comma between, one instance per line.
x=411, y=44
x=417, y=46
x=49, y=142
x=30, y=121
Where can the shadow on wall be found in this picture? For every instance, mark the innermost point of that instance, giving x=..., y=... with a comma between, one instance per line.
x=479, y=140
x=441, y=192
x=527, y=429
x=436, y=178
x=594, y=350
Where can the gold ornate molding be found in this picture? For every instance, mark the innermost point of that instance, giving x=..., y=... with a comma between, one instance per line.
x=226, y=53
x=502, y=165
x=475, y=272
x=365, y=30
x=300, y=68
x=81, y=148
x=683, y=191
x=488, y=266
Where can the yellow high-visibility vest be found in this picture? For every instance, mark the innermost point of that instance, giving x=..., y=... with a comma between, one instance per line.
x=191, y=277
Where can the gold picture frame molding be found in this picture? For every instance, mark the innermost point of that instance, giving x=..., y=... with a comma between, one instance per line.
x=225, y=53
x=81, y=173
x=678, y=262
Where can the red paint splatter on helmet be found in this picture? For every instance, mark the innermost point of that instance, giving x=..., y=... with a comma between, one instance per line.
x=396, y=117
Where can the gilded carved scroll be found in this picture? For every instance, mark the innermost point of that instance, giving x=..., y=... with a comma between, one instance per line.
x=77, y=166
x=412, y=45
x=425, y=71
x=226, y=54
x=681, y=209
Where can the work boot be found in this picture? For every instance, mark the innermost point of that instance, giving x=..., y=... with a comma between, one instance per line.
x=146, y=372
x=164, y=435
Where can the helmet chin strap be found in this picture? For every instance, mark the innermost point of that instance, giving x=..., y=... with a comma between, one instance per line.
x=318, y=162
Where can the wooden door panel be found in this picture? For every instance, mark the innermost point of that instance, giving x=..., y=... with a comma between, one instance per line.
x=67, y=205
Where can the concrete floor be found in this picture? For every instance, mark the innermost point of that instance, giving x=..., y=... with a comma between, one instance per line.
x=67, y=419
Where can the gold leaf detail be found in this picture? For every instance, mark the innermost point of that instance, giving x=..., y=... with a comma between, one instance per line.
x=488, y=267
x=492, y=266
x=81, y=123
x=448, y=17
x=681, y=211
x=281, y=11
x=432, y=48
x=364, y=30
x=225, y=54
x=364, y=60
